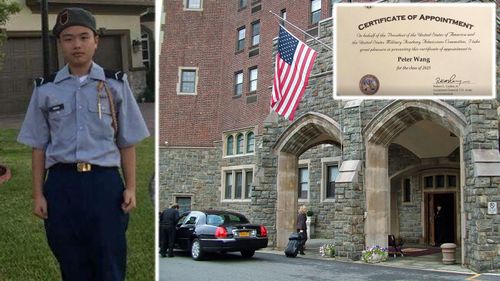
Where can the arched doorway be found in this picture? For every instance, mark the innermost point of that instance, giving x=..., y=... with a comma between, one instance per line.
x=379, y=134
x=308, y=131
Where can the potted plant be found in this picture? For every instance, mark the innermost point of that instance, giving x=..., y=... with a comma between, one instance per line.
x=375, y=254
x=4, y=174
x=327, y=250
x=310, y=224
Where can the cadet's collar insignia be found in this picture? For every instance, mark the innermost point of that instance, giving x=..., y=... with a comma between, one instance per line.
x=64, y=18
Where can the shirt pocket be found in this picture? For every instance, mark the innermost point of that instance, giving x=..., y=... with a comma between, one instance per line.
x=61, y=121
x=100, y=121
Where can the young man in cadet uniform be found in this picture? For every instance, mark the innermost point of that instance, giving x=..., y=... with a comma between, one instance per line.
x=83, y=124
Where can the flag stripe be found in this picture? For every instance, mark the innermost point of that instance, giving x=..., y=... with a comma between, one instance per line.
x=300, y=88
x=294, y=62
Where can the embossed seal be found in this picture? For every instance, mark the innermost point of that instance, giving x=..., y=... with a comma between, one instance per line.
x=369, y=84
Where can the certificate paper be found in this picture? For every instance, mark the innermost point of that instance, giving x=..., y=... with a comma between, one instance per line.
x=444, y=51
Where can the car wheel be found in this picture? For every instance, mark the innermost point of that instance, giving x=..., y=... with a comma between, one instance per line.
x=247, y=254
x=196, y=250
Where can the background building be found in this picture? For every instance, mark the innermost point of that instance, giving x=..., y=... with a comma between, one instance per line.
x=366, y=168
x=119, y=46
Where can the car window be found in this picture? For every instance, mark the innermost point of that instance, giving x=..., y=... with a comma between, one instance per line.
x=215, y=220
x=191, y=220
x=218, y=219
x=182, y=219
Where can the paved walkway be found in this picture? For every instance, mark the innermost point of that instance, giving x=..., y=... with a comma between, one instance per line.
x=427, y=262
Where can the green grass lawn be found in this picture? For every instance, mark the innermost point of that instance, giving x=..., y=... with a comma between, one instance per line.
x=24, y=253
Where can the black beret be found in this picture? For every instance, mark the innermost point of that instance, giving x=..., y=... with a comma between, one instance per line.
x=71, y=17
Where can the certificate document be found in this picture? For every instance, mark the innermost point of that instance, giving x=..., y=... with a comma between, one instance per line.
x=421, y=51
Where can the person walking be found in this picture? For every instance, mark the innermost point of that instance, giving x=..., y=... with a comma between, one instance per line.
x=168, y=222
x=302, y=228
x=82, y=124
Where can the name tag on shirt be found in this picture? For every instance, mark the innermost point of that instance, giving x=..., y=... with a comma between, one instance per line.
x=56, y=108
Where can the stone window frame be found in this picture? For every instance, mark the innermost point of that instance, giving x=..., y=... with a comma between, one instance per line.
x=233, y=170
x=325, y=162
x=403, y=191
x=179, y=81
x=235, y=134
x=304, y=163
x=186, y=8
x=446, y=187
x=247, y=146
x=177, y=195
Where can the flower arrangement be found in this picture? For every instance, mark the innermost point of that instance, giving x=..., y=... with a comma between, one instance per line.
x=327, y=250
x=375, y=254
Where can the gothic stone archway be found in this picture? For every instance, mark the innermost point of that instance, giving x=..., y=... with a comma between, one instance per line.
x=308, y=131
x=378, y=135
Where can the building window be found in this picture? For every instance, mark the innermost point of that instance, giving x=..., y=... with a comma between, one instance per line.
x=255, y=33
x=429, y=182
x=248, y=183
x=407, y=190
x=332, y=172
x=250, y=142
x=193, y=4
x=188, y=78
x=229, y=145
x=242, y=4
x=240, y=44
x=184, y=203
x=303, y=182
x=237, y=182
x=229, y=186
x=239, y=144
x=452, y=181
x=145, y=49
x=238, y=185
x=315, y=11
x=283, y=17
x=440, y=181
x=238, y=83
x=252, y=81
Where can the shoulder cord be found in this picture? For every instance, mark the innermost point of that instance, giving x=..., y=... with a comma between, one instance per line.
x=114, y=123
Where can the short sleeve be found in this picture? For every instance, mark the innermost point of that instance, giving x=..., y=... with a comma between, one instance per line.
x=131, y=126
x=35, y=130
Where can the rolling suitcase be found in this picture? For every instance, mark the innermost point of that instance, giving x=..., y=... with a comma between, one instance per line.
x=292, y=249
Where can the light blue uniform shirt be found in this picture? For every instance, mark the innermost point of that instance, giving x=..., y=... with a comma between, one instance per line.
x=63, y=119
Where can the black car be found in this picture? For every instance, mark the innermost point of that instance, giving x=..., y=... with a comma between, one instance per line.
x=219, y=231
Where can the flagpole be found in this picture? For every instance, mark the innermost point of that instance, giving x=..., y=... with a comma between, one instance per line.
x=330, y=48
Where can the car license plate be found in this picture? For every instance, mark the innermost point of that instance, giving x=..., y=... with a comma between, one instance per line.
x=244, y=234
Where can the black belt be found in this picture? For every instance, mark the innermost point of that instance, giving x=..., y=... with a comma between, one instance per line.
x=80, y=167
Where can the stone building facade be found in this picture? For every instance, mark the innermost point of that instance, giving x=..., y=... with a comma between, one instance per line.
x=397, y=160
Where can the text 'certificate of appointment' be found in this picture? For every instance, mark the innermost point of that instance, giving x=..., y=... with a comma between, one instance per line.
x=444, y=51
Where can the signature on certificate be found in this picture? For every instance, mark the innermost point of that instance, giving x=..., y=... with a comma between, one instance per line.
x=451, y=80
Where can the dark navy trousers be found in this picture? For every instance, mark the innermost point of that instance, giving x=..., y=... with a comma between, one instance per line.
x=86, y=225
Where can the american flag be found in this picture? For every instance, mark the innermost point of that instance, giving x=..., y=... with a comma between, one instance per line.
x=294, y=61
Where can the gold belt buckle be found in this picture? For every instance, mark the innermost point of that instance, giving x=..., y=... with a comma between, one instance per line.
x=83, y=167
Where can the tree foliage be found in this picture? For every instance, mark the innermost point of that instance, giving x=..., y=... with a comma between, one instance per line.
x=7, y=8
